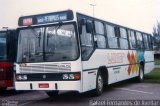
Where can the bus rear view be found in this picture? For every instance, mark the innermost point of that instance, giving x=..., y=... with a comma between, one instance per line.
x=7, y=57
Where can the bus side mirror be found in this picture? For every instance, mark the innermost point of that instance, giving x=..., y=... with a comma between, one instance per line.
x=89, y=27
x=83, y=21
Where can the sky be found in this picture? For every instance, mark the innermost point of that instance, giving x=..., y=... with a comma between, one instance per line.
x=141, y=15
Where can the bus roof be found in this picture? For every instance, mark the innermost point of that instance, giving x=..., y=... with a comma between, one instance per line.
x=112, y=23
x=59, y=16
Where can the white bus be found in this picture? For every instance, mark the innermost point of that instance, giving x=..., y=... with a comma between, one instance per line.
x=67, y=50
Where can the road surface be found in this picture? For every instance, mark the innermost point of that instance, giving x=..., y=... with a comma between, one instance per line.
x=117, y=92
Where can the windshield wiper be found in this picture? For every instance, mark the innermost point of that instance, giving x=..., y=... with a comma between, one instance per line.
x=56, y=29
x=37, y=36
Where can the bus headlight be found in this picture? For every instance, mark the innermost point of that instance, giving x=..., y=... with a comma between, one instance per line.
x=76, y=76
x=71, y=76
x=25, y=77
x=18, y=77
x=21, y=77
x=65, y=76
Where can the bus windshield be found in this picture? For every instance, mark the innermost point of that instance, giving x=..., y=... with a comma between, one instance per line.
x=3, y=53
x=47, y=43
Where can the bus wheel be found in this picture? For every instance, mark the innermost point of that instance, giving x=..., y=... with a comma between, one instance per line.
x=141, y=74
x=52, y=93
x=99, y=84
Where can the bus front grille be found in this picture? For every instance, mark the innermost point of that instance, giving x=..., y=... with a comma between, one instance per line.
x=45, y=68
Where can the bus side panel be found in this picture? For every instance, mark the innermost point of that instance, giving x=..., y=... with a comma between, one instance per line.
x=149, y=66
x=149, y=61
x=120, y=64
x=89, y=80
x=117, y=74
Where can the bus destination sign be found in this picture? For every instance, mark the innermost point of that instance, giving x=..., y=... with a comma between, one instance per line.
x=45, y=18
x=52, y=18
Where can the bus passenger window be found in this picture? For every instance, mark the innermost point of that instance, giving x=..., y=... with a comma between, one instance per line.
x=150, y=42
x=145, y=37
x=139, y=40
x=132, y=39
x=100, y=41
x=99, y=37
x=112, y=39
x=123, y=39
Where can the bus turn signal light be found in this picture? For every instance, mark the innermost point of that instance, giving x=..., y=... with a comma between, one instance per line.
x=77, y=76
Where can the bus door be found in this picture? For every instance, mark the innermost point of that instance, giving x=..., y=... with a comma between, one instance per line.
x=87, y=48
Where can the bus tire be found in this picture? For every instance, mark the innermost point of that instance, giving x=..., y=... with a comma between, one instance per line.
x=140, y=77
x=52, y=93
x=99, y=84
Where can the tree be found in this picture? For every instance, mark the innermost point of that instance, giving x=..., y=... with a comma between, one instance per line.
x=156, y=36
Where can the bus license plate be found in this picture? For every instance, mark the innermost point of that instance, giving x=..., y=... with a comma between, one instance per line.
x=43, y=85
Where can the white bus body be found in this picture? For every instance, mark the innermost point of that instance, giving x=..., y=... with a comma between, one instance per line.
x=77, y=74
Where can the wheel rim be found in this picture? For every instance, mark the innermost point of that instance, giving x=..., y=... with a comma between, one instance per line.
x=141, y=73
x=100, y=83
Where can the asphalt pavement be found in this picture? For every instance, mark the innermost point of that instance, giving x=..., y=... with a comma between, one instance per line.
x=124, y=92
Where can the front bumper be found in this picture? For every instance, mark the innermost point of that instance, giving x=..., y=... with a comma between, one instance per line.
x=52, y=85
